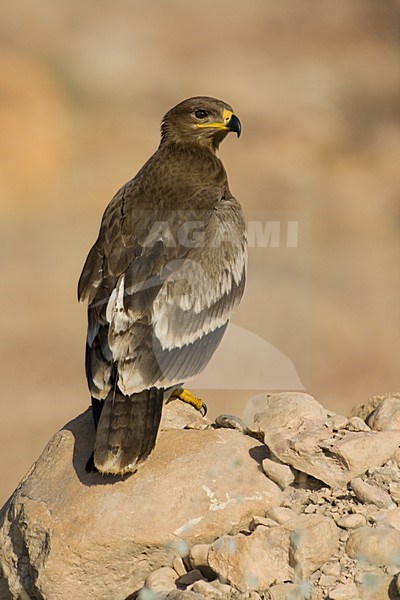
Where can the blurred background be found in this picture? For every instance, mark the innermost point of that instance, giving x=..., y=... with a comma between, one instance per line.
x=316, y=85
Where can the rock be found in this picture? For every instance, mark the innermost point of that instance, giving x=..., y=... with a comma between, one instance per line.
x=263, y=521
x=387, y=415
x=190, y=577
x=337, y=422
x=376, y=546
x=344, y=591
x=370, y=494
x=180, y=595
x=285, y=591
x=178, y=415
x=392, y=518
x=179, y=565
x=334, y=459
x=375, y=586
x=252, y=562
x=224, y=588
x=365, y=409
x=357, y=424
x=280, y=514
x=67, y=526
x=274, y=411
x=313, y=540
x=198, y=555
x=394, y=489
x=331, y=569
x=352, y=521
x=161, y=580
x=278, y=472
x=206, y=590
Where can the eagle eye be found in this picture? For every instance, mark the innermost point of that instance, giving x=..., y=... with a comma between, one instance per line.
x=200, y=113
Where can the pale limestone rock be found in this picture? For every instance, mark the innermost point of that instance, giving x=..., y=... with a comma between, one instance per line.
x=332, y=569
x=370, y=494
x=182, y=595
x=285, y=591
x=375, y=586
x=198, y=555
x=357, y=424
x=263, y=521
x=337, y=422
x=376, y=546
x=313, y=540
x=364, y=409
x=67, y=526
x=177, y=414
x=334, y=459
x=280, y=514
x=352, y=521
x=224, y=588
x=386, y=416
x=392, y=518
x=179, y=565
x=252, y=562
x=206, y=590
x=274, y=411
x=344, y=591
x=161, y=580
x=394, y=489
x=278, y=472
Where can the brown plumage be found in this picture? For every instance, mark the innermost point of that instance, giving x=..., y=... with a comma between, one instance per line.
x=161, y=281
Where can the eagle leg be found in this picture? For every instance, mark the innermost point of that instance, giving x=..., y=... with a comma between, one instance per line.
x=189, y=398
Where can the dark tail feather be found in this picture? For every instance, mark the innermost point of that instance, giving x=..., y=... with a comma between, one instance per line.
x=127, y=430
x=97, y=407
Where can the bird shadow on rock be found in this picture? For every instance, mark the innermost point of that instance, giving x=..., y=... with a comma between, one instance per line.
x=82, y=429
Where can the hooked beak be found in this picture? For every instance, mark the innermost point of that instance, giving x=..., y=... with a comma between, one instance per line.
x=234, y=125
x=230, y=122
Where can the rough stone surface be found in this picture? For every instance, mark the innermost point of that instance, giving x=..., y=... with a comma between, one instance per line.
x=285, y=591
x=370, y=494
x=386, y=416
x=252, y=562
x=161, y=580
x=206, y=590
x=392, y=519
x=357, y=424
x=377, y=546
x=313, y=540
x=202, y=519
x=344, y=591
x=264, y=412
x=332, y=458
x=198, y=555
x=278, y=472
x=63, y=526
x=280, y=514
x=352, y=521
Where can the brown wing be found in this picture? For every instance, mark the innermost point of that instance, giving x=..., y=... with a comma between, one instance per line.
x=161, y=286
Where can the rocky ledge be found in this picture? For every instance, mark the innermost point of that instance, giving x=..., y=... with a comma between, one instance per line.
x=292, y=503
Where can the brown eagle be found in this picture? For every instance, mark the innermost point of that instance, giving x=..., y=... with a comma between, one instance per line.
x=161, y=281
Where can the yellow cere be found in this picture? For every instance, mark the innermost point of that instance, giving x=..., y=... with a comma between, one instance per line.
x=226, y=115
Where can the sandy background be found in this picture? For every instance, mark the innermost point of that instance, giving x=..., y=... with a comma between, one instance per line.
x=316, y=85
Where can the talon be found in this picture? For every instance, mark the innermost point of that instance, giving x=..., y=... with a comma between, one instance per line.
x=191, y=399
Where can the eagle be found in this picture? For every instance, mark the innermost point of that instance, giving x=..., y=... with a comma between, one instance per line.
x=161, y=281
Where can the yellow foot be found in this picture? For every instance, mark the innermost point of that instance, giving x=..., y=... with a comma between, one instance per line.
x=189, y=398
